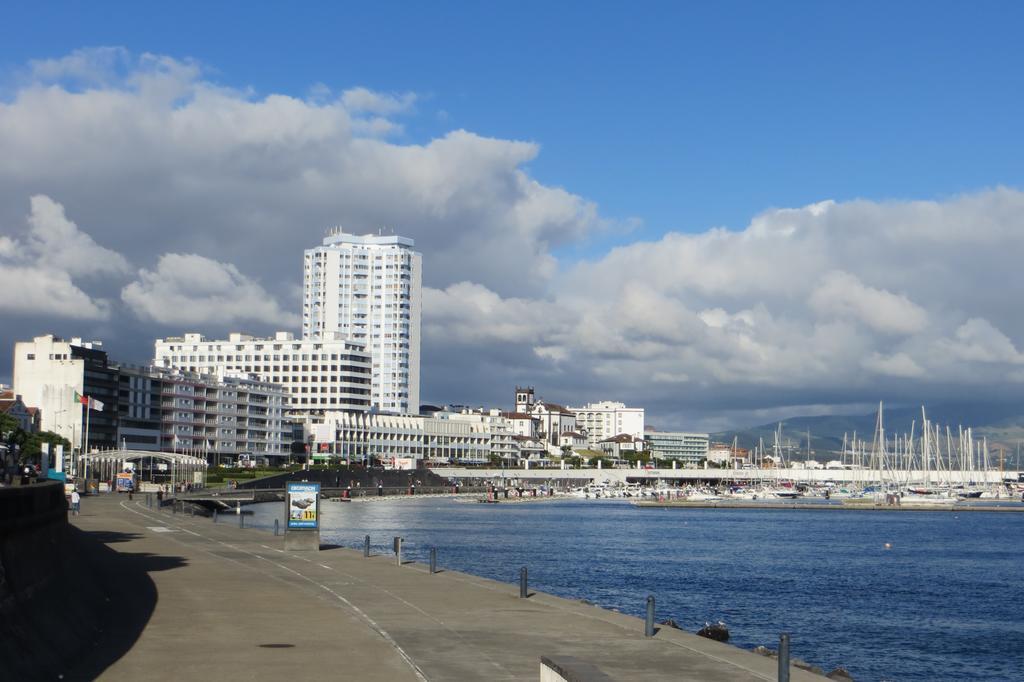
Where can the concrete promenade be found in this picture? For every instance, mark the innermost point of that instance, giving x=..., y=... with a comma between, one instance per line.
x=232, y=605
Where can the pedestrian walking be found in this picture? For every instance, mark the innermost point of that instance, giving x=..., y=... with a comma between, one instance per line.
x=76, y=503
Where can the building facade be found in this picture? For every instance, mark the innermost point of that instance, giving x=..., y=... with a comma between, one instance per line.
x=51, y=373
x=326, y=373
x=605, y=419
x=549, y=420
x=14, y=407
x=147, y=408
x=688, y=448
x=369, y=289
x=210, y=415
x=437, y=439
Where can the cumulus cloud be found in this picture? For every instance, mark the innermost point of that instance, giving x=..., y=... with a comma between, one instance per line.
x=35, y=290
x=841, y=294
x=157, y=157
x=830, y=303
x=58, y=242
x=191, y=289
x=36, y=270
x=842, y=301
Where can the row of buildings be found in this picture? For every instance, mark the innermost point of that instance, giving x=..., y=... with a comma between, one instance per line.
x=256, y=396
x=99, y=404
x=349, y=387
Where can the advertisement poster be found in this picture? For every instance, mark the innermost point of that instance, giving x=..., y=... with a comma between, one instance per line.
x=124, y=483
x=303, y=505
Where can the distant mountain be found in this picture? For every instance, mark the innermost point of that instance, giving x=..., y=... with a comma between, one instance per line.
x=1002, y=424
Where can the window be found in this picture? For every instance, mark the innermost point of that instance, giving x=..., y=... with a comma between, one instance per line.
x=30, y=356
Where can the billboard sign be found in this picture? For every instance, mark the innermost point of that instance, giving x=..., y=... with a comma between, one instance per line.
x=125, y=482
x=303, y=506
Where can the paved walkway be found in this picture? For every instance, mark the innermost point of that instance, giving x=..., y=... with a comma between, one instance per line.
x=232, y=605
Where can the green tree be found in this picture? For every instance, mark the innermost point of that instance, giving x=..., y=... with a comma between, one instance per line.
x=31, y=448
x=9, y=427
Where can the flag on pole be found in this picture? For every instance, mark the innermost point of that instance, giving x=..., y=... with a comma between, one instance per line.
x=90, y=403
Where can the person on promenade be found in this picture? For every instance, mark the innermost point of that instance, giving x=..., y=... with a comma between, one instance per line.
x=76, y=503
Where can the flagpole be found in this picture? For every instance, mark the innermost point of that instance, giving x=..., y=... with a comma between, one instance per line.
x=86, y=448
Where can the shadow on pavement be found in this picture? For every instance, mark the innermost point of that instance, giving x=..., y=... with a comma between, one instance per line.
x=85, y=614
x=125, y=593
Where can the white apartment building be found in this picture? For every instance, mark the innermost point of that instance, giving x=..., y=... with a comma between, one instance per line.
x=325, y=373
x=369, y=289
x=605, y=419
x=202, y=414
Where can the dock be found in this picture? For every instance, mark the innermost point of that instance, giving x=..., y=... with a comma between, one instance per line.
x=231, y=604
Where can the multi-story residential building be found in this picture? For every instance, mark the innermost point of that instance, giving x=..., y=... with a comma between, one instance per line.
x=606, y=419
x=369, y=289
x=688, y=448
x=147, y=408
x=325, y=373
x=203, y=414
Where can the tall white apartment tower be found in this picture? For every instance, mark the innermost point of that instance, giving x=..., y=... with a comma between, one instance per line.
x=369, y=289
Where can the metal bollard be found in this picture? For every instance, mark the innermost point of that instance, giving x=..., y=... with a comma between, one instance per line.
x=277, y=527
x=174, y=506
x=215, y=516
x=784, y=657
x=649, y=622
x=398, y=551
x=241, y=521
x=366, y=547
x=524, y=590
x=433, y=560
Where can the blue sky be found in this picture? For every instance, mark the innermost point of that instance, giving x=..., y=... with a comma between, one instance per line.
x=684, y=115
x=659, y=121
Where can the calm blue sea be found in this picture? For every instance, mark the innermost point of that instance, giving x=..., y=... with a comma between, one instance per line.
x=945, y=602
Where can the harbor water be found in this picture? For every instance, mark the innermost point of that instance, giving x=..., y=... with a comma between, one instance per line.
x=887, y=595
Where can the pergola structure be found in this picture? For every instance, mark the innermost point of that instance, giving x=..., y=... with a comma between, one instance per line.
x=105, y=465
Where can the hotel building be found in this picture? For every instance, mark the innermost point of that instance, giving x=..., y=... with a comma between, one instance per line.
x=325, y=373
x=369, y=289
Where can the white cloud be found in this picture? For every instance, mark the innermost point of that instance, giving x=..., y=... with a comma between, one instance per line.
x=192, y=289
x=58, y=243
x=898, y=365
x=95, y=65
x=365, y=100
x=841, y=294
x=158, y=159
x=977, y=340
x=36, y=271
x=35, y=291
x=829, y=303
